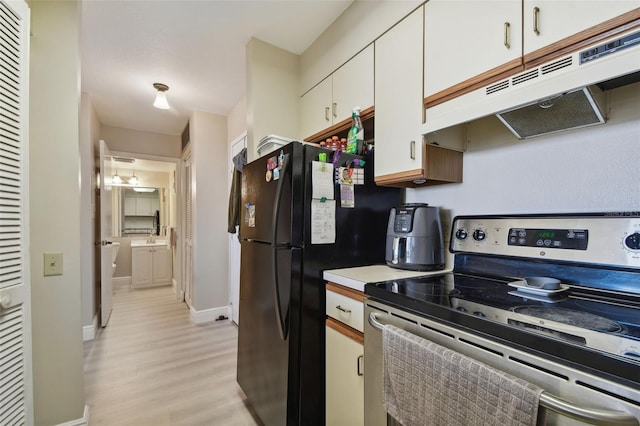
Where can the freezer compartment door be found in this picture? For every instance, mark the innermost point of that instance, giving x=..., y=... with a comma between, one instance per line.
x=267, y=193
x=265, y=368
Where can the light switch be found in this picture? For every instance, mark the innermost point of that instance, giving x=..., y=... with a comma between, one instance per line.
x=52, y=264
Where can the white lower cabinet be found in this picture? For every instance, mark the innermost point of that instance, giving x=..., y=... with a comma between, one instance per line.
x=344, y=357
x=151, y=266
x=345, y=380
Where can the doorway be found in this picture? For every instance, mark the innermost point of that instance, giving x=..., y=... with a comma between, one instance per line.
x=234, y=243
x=160, y=176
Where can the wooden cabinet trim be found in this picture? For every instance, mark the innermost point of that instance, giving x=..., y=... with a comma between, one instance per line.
x=481, y=80
x=400, y=177
x=595, y=34
x=345, y=330
x=340, y=127
x=443, y=165
x=346, y=291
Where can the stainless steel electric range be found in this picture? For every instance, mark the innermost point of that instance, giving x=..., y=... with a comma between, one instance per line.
x=577, y=336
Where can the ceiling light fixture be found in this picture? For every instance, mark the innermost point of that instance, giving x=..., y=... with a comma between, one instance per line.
x=161, y=97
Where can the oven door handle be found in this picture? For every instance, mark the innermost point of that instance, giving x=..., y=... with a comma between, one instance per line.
x=594, y=416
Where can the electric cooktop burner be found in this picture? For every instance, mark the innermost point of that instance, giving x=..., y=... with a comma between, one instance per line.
x=570, y=317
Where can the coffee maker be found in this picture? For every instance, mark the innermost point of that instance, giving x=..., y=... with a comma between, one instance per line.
x=414, y=238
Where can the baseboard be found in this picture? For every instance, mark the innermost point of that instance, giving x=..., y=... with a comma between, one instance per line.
x=121, y=282
x=89, y=331
x=83, y=421
x=209, y=315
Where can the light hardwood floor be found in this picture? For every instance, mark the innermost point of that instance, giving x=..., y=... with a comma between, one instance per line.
x=152, y=366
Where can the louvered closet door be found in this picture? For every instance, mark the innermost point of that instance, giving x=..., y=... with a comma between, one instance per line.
x=15, y=344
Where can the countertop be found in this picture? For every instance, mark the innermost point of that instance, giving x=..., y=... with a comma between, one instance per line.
x=144, y=243
x=357, y=277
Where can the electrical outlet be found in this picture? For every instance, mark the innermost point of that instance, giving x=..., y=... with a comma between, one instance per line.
x=52, y=264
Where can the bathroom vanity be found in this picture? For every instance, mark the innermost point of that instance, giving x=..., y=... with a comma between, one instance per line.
x=151, y=263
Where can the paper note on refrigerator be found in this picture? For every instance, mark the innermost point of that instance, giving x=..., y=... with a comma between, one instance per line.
x=322, y=180
x=323, y=221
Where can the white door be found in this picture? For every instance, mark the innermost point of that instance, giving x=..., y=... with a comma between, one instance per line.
x=234, y=243
x=188, y=231
x=106, y=281
x=16, y=402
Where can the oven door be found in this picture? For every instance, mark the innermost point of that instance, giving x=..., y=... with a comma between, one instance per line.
x=571, y=397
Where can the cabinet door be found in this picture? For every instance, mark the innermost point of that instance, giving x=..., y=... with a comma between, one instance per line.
x=130, y=206
x=398, y=84
x=345, y=387
x=162, y=265
x=315, y=107
x=141, y=267
x=466, y=38
x=548, y=21
x=143, y=207
x=353, y=85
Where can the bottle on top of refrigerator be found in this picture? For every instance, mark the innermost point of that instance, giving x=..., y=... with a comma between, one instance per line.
x=355, y=137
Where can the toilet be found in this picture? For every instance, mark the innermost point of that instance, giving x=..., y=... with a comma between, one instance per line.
x=115, y=247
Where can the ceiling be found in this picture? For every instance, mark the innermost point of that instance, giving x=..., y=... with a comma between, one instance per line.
x=197, y=48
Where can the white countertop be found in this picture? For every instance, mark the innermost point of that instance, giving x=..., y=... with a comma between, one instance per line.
x=357, y=277
x=144, y=243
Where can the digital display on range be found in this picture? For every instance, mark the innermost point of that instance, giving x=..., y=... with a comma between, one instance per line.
x=569, y=239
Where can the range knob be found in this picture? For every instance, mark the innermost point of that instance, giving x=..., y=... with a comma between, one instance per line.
x=633, y=241
x=479, y=235
x=461, y=234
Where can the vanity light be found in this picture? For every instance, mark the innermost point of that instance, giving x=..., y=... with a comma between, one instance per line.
x=161, y=97
x=116, y=179
x=143, y=189
x=133, y=180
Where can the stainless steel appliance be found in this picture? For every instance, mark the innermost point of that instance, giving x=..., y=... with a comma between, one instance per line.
x=580, y=340
x=414, y=238
x=281, y=340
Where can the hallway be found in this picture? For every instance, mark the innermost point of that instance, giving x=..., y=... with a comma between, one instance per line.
x=153, y=366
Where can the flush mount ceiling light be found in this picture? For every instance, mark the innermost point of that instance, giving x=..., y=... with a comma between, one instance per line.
x=161, y=97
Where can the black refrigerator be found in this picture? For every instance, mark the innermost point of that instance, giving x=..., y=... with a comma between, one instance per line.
x=281, y=336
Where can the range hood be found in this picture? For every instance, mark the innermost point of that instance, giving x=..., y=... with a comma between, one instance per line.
x=560, y=95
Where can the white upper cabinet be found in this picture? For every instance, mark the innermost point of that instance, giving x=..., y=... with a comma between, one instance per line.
x=466, y=38
x=333, y=99
x=398, y=108
x=548, y=21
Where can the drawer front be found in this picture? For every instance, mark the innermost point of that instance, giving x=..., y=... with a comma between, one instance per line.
x=346, y=310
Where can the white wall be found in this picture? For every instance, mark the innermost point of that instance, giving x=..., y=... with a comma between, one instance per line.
x=273, y=106
x=237, y=120
x=210, y=250
x=593, y=169
x=138, y=142
x=55, y=179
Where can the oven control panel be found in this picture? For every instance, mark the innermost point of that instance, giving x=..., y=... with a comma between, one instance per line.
x=610, y=239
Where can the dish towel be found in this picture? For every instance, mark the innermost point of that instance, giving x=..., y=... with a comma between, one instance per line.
x=428, y=384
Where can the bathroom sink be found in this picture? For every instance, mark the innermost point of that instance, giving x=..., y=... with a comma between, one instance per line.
x=144, y=243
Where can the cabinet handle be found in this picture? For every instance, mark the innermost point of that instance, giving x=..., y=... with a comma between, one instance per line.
x=536, y=20
x=507, y=27
x=326, y=113
x=334, y=110
x=412, y=150
x=346, y=311
x=359, y=365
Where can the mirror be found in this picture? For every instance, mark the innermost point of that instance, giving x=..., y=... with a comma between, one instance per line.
x=146, y=206
x=137, y=211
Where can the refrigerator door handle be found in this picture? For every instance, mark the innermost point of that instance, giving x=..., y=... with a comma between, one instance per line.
x=282, y=318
